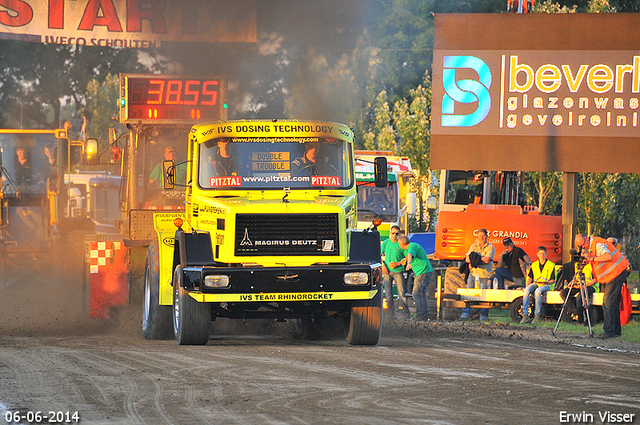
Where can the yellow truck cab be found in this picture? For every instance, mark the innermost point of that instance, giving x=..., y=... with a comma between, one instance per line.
x=268, y=231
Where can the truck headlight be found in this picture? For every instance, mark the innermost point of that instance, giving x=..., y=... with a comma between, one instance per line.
x=358, y=278
x=216, y=281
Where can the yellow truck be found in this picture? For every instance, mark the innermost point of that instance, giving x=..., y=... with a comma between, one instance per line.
x=268, y=232
x=33, y=193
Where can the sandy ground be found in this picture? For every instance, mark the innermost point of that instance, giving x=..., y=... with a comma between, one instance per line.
x=255, y=373
x=54, y=360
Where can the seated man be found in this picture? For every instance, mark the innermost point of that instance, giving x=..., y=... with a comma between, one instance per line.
x=479, y=258
x=24, y=172
x=541, y=279
x=575, y=303
x=378, y=200
x=224, y=164
x=311, y=163
x=513, y=264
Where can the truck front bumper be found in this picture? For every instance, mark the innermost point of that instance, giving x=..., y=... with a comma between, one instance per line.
x=318, y=283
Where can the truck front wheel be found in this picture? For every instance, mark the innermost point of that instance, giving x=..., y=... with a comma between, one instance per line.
x=364, y=324
x=156, y=318
x=191, y=319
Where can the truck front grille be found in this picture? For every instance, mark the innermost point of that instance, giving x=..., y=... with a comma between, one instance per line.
x=286, y=234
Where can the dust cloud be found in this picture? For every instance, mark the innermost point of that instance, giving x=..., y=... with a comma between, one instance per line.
x=47, y=293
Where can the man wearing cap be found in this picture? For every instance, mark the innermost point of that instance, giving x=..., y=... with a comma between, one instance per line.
x=512, y=264
x=155, y=178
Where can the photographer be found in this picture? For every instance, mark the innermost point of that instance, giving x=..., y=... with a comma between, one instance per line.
x=610, y=269
x=572, y=288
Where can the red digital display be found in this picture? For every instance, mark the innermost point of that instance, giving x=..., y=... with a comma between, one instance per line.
x=157, y=98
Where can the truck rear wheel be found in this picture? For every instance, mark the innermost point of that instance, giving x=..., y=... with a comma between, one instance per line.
x=364, y=324
x=191, y=319
x=156, y=318
x=515, y=310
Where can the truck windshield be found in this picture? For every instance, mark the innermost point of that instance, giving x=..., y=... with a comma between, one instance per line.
x=463, y=188
x=271, y=163
x=377, y=202
x=28, y=161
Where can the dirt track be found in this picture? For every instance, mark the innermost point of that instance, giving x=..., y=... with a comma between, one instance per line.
x=256, y=374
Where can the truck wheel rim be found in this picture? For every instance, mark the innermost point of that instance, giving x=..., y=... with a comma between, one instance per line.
x=147, y=296
x=176, y=310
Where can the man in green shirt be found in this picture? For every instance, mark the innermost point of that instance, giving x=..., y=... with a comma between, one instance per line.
x=418, y=261
x=394, y=270
x=155, y=178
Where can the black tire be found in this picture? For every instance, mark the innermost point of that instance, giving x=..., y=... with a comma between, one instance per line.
x=594, y=314
x=191, y=319
x=156, y=318
x=364, y=324
x=515, y=310
x=569, y=315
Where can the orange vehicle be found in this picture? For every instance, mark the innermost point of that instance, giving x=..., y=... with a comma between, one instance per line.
x=470, y=200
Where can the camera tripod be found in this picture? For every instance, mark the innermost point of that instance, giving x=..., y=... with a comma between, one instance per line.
x=578, y=279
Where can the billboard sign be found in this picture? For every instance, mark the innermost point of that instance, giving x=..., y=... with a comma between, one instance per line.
x=539, y=106
x=128, y=23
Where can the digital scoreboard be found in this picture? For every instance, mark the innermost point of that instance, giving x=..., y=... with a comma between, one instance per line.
x=169, y=99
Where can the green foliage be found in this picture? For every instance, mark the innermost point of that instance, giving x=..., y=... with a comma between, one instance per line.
x=549, y=6
x=101, y=106
x=404, y=128
x=624, y=219
x=544, y=190
x=403, y=36
x=600, y=6
x=39, y=79
x=589, y=6
x=595, y=198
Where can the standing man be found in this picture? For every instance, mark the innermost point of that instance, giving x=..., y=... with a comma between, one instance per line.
x=541, y=279
x=609, y=268
x=512, y=263
x=480, y=260
x=418, y=261
x=155, y=178
x=393, y=270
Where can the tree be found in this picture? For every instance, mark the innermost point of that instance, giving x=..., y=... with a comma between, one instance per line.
x=41, y=78
x=544, y=189
x=625, y=218
x=101, y=107
x=595, y=200
x=412, y=119
x=549, y=6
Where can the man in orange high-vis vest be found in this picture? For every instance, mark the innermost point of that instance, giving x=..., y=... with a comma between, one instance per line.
x=610, y=269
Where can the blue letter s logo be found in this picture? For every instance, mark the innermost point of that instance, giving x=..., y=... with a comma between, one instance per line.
x=465, y=91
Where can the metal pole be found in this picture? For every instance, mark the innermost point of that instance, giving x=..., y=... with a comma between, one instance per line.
x=439, y=296
x=569, y=213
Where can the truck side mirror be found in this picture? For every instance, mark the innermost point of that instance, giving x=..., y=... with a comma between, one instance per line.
x=431, y=203
x=91, y=152
x=168, y=174
x=380, y=171
x=411, y=203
